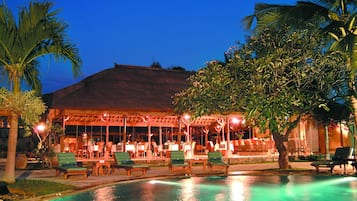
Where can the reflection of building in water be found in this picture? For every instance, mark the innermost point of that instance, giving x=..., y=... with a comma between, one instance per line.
x=188, y=189
x=238, y=189
x=105, y=193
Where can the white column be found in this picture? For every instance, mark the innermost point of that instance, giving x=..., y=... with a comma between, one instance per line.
x=229, y=152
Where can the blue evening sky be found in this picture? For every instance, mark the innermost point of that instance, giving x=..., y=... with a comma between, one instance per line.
x=185, y=33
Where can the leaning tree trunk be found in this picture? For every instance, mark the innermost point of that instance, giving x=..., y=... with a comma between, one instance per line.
x=9, y=173
x=354, y=107
x=281, y=143
x=352, y=66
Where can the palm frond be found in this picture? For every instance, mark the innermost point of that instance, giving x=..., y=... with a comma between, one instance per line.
x=32, y=76
x=37, y=32
x=274, y=15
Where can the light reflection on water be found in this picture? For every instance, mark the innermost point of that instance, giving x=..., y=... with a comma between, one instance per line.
x=232, y=188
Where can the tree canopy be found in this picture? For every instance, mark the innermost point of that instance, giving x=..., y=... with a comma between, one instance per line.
x=277, y=76
x=36, y=32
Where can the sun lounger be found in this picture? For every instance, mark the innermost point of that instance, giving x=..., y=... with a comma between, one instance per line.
x=177, y=161
x=215, y=159
x=341, y=157
x=68, y=165
x=123, y=160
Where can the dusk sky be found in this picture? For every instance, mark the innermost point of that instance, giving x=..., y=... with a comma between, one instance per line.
x=185, y=33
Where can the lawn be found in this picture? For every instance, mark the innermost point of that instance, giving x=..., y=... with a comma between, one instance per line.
x=26, y=188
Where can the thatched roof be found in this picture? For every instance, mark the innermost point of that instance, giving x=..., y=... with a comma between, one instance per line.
x=123, y=88
x=133, y=93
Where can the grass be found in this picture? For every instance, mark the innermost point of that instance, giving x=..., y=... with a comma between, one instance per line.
x=36, y=187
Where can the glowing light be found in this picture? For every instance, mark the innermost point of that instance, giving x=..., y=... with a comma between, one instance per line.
x=235, y=120
x=104, y=117
x=239, y=188
x=41, y=127
x=187, y=117
x=153, y=182
x=164, y=182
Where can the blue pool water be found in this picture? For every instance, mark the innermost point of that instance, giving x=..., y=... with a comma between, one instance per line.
x=237, y=188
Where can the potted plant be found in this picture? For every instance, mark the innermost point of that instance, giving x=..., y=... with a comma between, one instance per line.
x=21, y=161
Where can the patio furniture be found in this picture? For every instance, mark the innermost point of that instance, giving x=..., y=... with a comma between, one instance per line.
x=177, y=161
x=90, y=151
x=123, y=160
x=100, y=149
x=215, y=159
x=130, y=148
x=108, y=148
x=101, y=167
x=68, y=165
x=341, y=157
x=202, y=161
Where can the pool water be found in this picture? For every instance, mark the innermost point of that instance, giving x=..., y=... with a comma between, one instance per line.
x=238, y=188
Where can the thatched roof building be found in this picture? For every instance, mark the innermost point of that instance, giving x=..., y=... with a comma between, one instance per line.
x=133, y=93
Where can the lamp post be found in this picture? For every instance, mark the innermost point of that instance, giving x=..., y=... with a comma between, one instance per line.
x=187, y=121
x=206, y=131
x=236, y=122
x=222, y=123
x=146, y=119
x=105, y=118
x=40, y=129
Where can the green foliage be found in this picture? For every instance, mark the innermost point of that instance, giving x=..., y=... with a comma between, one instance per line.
x=336, y=20
x=28, y=106
x=276, y=76
x=210, y=92
x=290, y=76
x=38, y=187
x=155, y=64
x=56, y=129
x=37, y=33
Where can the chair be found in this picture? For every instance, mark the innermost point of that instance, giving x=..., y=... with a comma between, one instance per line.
x=177, y=161
x=142, y=148
x=155, y=149
x=100, y=149
x=90, y=150
x=193, y=148
x=68, y=165
x=108, y=148
x=79, y=152
x=209, y=146
x=215, y=159
x=123, y=160
x=341, y=157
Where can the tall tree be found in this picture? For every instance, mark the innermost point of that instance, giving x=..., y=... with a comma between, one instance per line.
x=275, y=78
x=36, y=32
x=337, y=22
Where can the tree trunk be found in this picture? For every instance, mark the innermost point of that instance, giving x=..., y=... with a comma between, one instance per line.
x=354, y=107
x=281, y=144
x=9, y=173
x=327, y=143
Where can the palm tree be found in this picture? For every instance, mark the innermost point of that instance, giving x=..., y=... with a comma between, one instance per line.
x=35, y=33
x=337, y=22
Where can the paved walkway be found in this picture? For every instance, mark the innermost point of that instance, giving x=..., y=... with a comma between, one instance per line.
x=268, y=168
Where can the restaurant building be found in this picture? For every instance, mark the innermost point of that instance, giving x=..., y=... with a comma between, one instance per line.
x=129, y=108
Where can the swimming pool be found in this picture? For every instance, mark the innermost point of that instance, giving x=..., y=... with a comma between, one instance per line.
x=235, y=188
